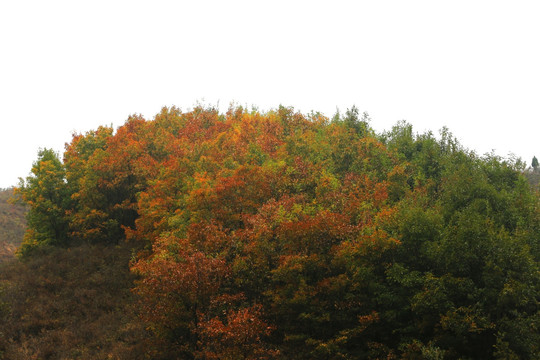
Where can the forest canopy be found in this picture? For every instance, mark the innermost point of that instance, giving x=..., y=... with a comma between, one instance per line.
x=282, y=235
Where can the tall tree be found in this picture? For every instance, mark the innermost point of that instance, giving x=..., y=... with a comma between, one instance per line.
x=46, y=193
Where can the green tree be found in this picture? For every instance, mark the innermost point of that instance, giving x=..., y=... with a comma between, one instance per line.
x=46, y=194
x=534, y=164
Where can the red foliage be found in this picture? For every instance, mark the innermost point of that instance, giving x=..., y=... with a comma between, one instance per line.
x=238, y=336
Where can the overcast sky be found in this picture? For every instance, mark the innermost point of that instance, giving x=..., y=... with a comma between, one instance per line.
x=70, y=66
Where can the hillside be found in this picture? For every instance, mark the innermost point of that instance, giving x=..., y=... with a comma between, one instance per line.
x=12, y=225
x=69, y=304
x=275, y=235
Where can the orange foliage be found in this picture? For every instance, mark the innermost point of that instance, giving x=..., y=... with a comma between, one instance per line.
x=261, y=208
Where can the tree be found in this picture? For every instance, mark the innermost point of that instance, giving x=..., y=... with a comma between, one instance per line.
x=534, y=164
x=87, y=218
x=46, y=194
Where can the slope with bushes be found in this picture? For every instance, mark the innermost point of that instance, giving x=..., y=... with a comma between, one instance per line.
x=293, y=236
x=12, y=225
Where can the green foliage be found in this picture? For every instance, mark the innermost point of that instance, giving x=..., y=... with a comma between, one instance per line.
x=46, y=193
x=281, y=235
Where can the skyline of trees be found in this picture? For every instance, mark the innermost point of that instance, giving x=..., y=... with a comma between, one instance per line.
x=293, y=236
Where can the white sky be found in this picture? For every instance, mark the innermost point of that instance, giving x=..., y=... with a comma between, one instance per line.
x=67, y=66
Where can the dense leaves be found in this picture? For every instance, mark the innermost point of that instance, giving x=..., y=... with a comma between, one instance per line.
x=46, y=194
x=291, y=236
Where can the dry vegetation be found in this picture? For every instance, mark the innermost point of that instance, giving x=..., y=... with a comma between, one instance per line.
x=69, y=304
x=12, y=225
